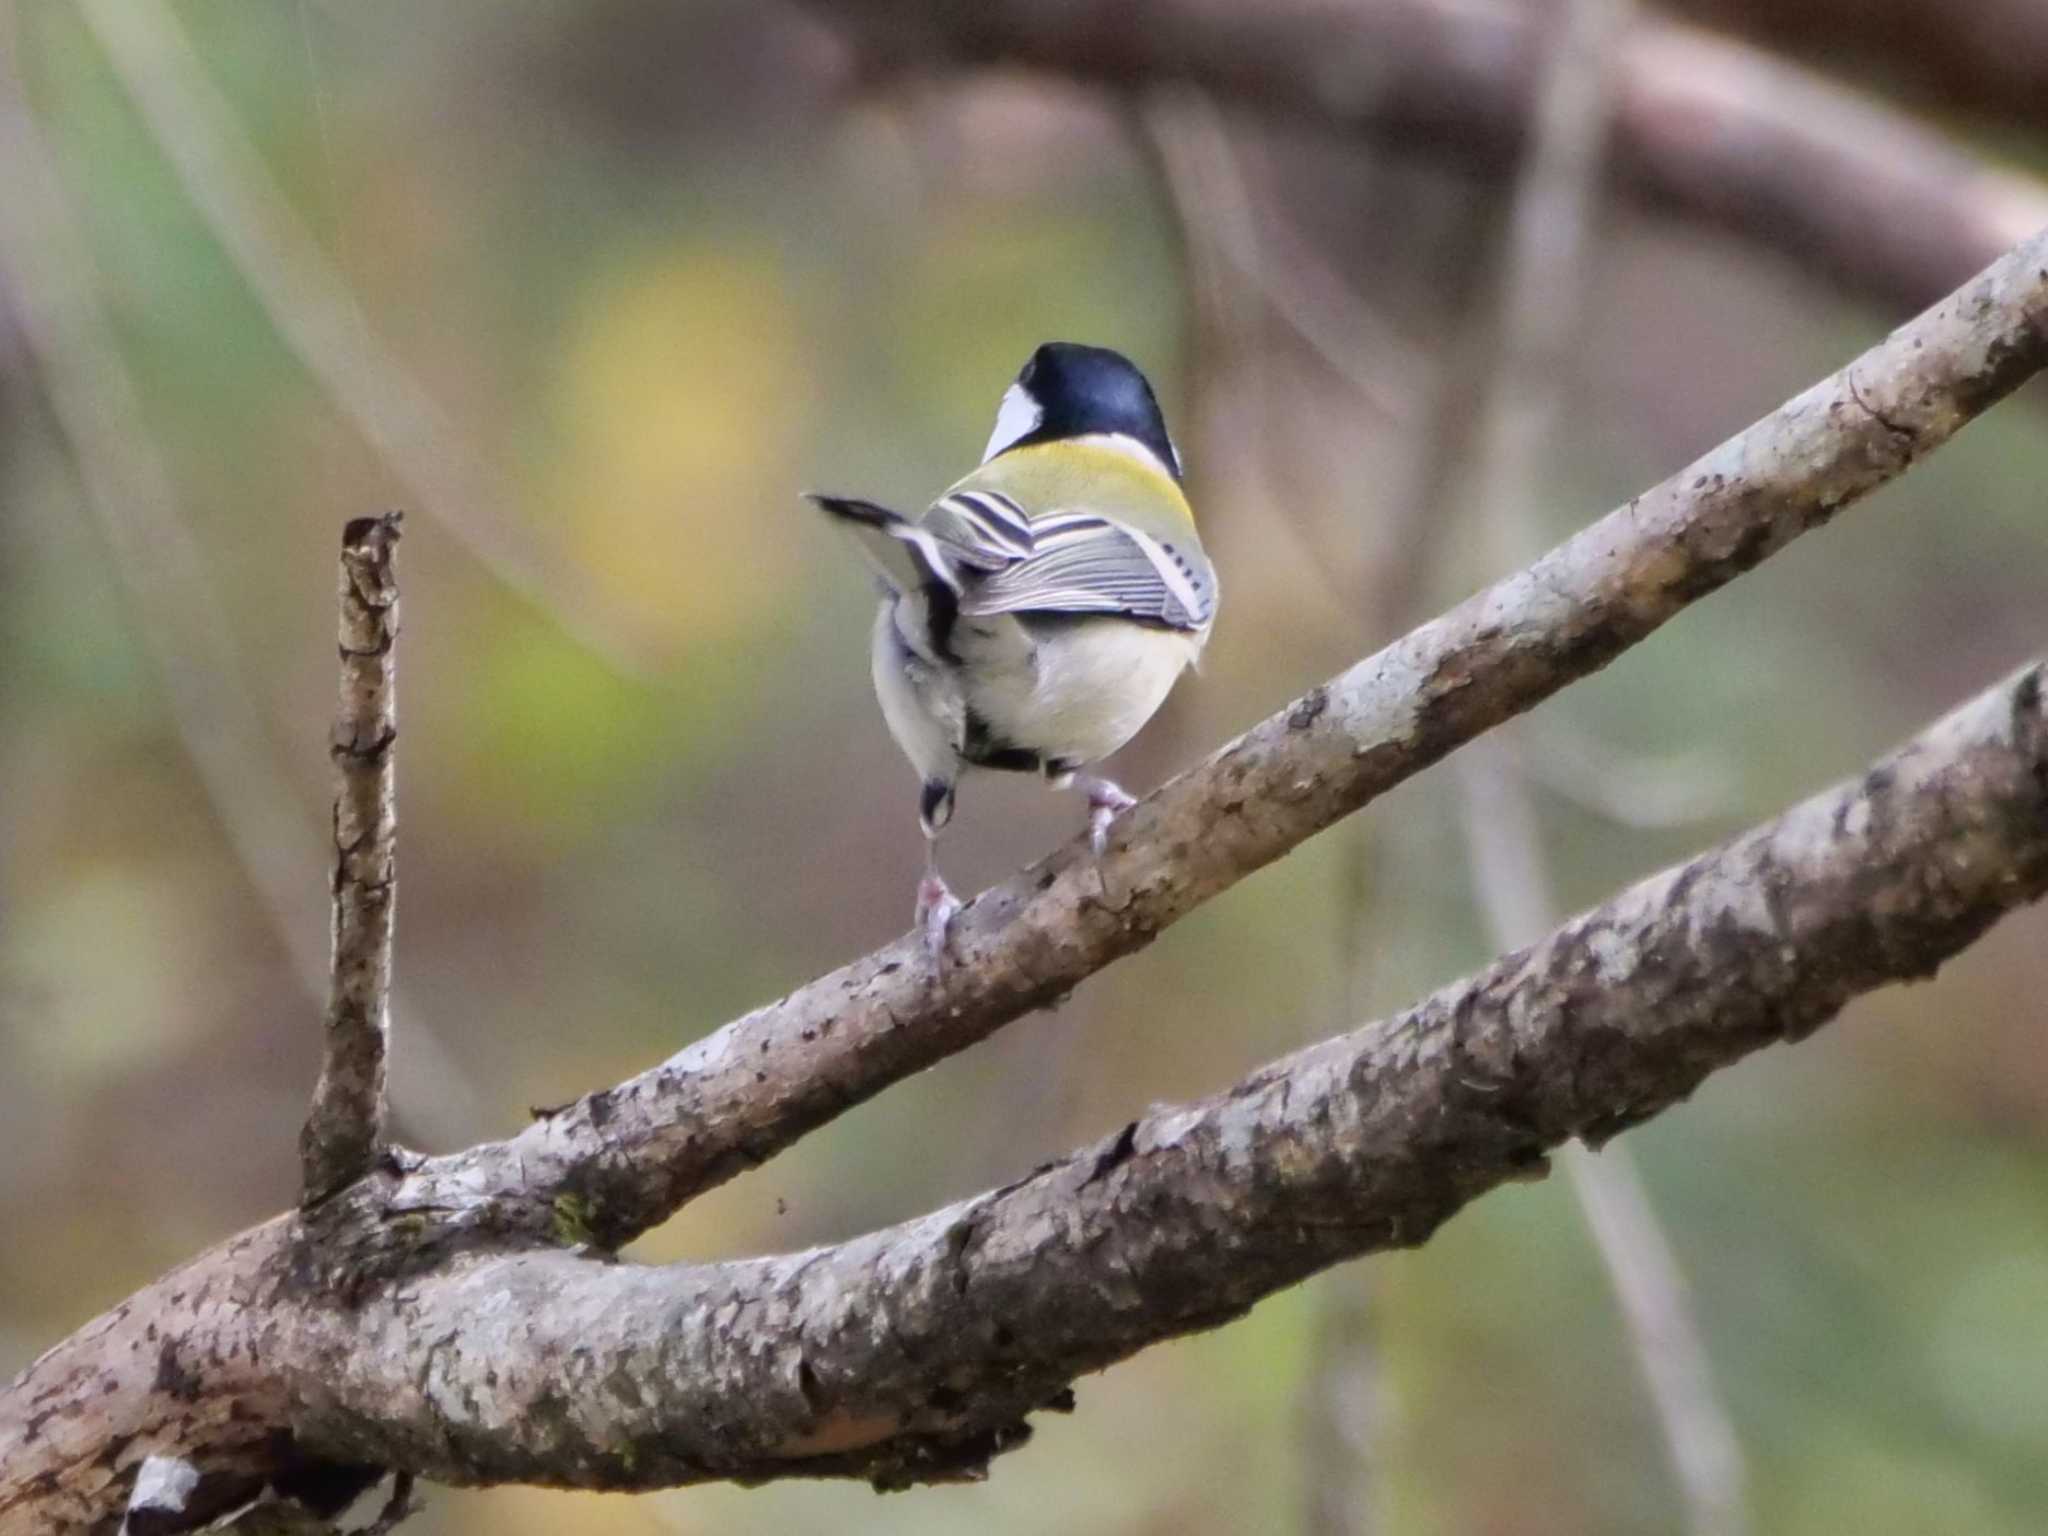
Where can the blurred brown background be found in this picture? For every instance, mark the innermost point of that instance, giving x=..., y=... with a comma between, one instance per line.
x=611, y=283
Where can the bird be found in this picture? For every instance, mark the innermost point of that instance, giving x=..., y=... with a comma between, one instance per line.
x=1037, y=614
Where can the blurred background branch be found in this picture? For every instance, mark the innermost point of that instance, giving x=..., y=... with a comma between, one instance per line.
x=1705, y=125
x=1987, y=59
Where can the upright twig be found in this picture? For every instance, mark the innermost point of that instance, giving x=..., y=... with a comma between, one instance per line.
x=345, y=1127
x=1542, y=286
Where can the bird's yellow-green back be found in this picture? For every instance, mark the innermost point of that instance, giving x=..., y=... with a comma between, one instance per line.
x=1075, y=474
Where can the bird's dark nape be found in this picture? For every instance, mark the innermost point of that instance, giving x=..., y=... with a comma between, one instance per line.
x=1082, y=390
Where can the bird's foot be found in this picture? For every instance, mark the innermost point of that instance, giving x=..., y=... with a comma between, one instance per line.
x=1106, y=801
x=936, y=906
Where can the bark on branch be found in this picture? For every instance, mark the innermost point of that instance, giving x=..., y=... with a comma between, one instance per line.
x=345, y=1128
x=610, y=1165
x=919, y=1352
x=1706, y=126
x=296, y=1348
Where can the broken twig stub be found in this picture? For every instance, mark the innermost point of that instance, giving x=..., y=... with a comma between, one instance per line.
x=345, y=1127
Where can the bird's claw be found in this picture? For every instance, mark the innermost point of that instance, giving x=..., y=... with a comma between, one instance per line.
x=936, y=905
x=1105, y=802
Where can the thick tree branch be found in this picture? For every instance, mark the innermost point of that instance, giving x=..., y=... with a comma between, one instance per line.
x=1706, y=126
x=185, y=1369
x=918, y=1352
x=345, y=1127
x=614, y=1163
x=900, y=1356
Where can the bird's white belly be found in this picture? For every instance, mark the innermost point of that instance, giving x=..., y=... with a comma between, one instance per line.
x=1091, y=686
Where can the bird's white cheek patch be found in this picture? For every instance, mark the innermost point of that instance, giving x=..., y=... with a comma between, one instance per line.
x=1016, y=419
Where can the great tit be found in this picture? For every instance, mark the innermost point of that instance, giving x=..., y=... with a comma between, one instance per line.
x=1037, y=614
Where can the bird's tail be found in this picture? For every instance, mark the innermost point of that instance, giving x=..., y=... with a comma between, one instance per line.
x=904, y=555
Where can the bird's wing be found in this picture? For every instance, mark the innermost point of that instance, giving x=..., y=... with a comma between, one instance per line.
x=975, y=553
x=983, y=530
x=1082, y=562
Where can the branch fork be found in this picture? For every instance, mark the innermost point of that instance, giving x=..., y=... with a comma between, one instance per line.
x=507, y=1355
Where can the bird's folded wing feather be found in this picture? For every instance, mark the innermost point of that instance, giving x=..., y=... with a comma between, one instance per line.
x=1080, y=562
x=980, y=555
x=982, y=530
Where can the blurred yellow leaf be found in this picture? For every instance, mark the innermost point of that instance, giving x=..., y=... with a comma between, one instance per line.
x=681, y=390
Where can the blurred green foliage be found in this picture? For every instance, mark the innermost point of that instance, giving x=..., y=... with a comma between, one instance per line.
x=663, y=275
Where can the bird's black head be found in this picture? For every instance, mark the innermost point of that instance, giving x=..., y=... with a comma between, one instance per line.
x=1069, y=390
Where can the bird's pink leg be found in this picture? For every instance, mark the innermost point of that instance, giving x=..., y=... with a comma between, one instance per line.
x=936, y=905
x=1106, y=800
